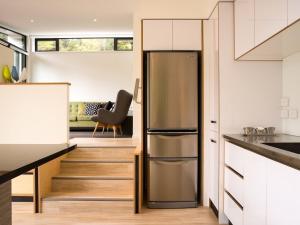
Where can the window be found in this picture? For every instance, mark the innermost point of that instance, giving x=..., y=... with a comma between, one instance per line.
x=86, y=45
x=46, y=45
x=83, y=44
x=124, y=44
x=12, y=38
x=19, y=61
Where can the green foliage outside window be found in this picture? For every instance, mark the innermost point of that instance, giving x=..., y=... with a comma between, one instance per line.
x=46, y=45
x=124, y=44
x=3, y=36
x=86, y=45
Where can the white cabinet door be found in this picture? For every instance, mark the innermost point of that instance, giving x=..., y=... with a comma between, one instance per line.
x=270, y=18
x=157, y=34
x=187, y=34
x=283, y=194
x=293, y=10
x=255, y=187
x=213, y=49
x=214, y=169
x=244, y=26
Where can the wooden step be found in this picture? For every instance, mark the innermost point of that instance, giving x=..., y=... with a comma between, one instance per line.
x=97, y=169
x=82, y=207
x=89, y=160
x=87, y=196
x=102, y=186
x=103, y=154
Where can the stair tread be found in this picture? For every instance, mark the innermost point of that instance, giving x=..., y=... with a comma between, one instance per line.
x=85, y=196
x=91, y=177
x=89, y=160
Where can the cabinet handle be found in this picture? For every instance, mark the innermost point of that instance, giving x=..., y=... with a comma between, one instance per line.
x=213, y=141
x=213, y=121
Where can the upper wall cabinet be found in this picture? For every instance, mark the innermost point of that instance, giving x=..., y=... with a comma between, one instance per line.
x=293, y=11
x=270, y=18
x=157, y=34
x=172, y=35
x=187, y=34
x=244, y=26
x=262, y=30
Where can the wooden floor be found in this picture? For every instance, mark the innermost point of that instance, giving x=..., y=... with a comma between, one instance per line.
x=22, y=215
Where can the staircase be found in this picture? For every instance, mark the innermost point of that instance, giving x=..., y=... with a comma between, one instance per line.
x=93, y=179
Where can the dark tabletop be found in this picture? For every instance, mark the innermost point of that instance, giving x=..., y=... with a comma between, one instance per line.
x=254, y=144
x=16, y=159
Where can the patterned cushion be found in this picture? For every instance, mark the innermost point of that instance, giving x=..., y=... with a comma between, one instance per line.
x=81, y=108
x=92, y=108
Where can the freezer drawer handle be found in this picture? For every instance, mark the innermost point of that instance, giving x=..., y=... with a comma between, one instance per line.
x=171, y=163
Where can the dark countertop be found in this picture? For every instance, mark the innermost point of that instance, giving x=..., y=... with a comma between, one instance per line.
x=16, y=159
x=254, y=144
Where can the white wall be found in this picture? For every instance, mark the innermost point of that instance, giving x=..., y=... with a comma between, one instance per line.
x=93, y=76
x=6, y=58
x=34, y=114
x=291, y=90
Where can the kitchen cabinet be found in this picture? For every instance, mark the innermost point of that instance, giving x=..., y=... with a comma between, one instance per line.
x=214, y=169
x=283, y=194
x=244, y=26
x=255, y=185
x=232, y=210
x=187, y=34
x=293, y=11
x=270, y=18
x=172, y=35
x=213, y=64
x=268, y=191
x=157, y=34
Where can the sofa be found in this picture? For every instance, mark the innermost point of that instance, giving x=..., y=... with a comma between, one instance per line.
x=80, y=120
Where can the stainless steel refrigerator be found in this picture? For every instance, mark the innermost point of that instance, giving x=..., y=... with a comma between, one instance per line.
x=172, y=129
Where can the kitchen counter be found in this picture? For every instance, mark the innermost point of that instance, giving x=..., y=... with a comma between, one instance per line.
x=254, y=144
x=16, y=159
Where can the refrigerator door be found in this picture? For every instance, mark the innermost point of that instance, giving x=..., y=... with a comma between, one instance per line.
x=172, y=90
x=172, y=183
x=172, y=144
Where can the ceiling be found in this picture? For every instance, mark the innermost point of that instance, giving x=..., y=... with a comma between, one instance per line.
x=67, y=16
x=52, y=17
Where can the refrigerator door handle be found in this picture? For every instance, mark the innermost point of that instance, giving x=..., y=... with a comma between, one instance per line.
x=171, y=133
x=173, y=162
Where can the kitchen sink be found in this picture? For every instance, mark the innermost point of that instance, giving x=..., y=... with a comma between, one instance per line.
x=287, y=146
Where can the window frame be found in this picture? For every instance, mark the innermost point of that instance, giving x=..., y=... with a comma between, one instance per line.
x=57, y=49
x=122, y=38
x=56, y=40
x=10, y=45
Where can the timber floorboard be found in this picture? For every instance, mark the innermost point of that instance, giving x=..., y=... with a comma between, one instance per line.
x=197, y=216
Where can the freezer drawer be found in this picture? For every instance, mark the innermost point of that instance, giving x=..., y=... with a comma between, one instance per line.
x=172, y=183
x=172, y=90
x=172, y=145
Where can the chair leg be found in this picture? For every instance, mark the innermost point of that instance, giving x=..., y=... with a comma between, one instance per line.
x=103, y=129
x=95, y=129
x=115, y=129
x=120, y=128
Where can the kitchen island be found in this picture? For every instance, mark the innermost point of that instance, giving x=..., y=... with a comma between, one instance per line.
x=16, y=159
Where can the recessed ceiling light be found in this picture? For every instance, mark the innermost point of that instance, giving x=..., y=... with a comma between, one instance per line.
x=95, y=20
x=32, y=21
